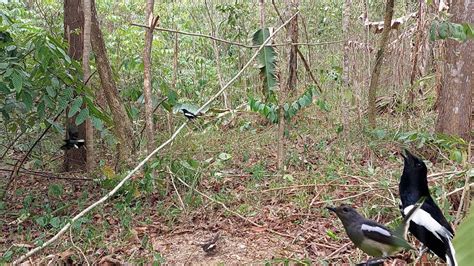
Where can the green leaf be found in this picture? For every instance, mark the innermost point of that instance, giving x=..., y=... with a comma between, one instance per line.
x=443, y=30
x=224, y=156
x=27, y=99
x=468, y=29
x=51, y=92
x=82, y=116
x=40, y=109
x=4, y=88
x=55, y=222
x=288, y=178
x=456, y=156
x=75, y=107
x=97, y=123
x=4, y=65
x=17, y=81
x=266, y=63
x=42, y=221
x=55, y=82
x=464, y=238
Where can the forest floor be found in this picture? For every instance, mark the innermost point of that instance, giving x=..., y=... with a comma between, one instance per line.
x=261, y=216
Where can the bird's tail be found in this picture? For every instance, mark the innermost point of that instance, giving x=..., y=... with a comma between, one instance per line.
x=451, y=254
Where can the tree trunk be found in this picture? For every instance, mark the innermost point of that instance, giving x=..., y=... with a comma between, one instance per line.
x=345, y=65
x=216, y=53
x=147, y=83
x=74, y=159
x=374, y=81
x=455, y=98
x=86, y=69
x=415, y=53
x=122, y=123
x=290, y=85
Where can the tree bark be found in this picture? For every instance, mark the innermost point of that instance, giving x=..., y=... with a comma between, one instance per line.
x=374, y=81
x=86, y=69
x=122, y=123
x=216, y=53
x=147, y=80
x=457, y=85
x=345, y=64
x=290, y=85
x=415, y=53
x=74, y=159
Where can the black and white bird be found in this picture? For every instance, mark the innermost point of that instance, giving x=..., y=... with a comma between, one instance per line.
x=190, y=115
x=210, y=245
x=371, y=237
x=73, y=141
x=428, y=224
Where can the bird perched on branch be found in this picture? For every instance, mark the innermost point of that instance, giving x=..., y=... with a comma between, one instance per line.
x=428, y=225
x=190, y=115
x=73, y=141
x=371, y=237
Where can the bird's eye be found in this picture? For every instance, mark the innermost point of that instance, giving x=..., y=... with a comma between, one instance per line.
x=417, y=164
x=345, y=209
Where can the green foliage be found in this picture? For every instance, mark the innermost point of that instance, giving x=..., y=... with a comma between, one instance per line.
x=442, y=30
x=464, y=238
x=38, y=79
x=267, y=64
x=270, y=110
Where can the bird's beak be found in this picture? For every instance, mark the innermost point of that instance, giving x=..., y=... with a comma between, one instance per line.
x=408, y=156
x=403, y=154
x=331, y=209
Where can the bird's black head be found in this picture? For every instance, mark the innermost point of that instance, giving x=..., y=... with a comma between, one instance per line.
x=346, y=213
x=414, y=174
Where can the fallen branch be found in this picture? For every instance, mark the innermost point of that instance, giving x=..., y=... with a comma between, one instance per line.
x=140, y=165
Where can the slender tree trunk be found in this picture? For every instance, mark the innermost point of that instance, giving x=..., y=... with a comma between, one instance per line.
x=122, y=123
x=457, y=85
x=86, y=69
x=216, y=53
x=74, y=159
x=416, y=51
x=374, y=81
x=290, y=85
x=147, y=80
x=345, y=64
x=175, y=77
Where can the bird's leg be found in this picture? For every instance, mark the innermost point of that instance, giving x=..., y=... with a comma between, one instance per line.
x=373, y=261
x=421, y=251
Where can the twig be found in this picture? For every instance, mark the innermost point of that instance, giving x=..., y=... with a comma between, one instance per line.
x=300, y=54
x=140, y=165
x=47, y=175
x=11, y=144
x=176, y=190
x=462, y=202
x=455, y=191
x=338, y=250
x=232, y=42
x=346, y=198
x=231, y=211
x=76, y=247
x=19, y=164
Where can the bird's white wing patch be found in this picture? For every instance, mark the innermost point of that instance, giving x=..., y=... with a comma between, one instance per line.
x=370, y=228
x=423, y=218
